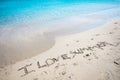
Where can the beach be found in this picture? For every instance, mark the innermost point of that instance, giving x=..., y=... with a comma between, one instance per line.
x=90, y=55
x=59, y=40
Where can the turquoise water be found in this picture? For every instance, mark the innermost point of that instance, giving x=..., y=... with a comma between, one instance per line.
x=20, y=11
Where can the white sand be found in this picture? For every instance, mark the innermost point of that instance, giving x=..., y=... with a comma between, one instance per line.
x=90, y=55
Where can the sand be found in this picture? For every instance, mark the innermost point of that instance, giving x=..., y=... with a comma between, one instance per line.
x=90, y=55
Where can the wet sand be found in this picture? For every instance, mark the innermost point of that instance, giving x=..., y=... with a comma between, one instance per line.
x=12, y=52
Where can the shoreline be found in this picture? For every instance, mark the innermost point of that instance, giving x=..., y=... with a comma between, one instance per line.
x=20, y=46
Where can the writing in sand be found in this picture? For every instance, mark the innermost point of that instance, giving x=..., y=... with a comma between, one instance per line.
x=72, y=54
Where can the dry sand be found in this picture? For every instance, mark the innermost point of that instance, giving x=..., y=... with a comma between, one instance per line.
x=90, y=55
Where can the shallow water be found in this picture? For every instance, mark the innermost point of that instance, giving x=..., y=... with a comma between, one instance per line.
x=28, y=28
